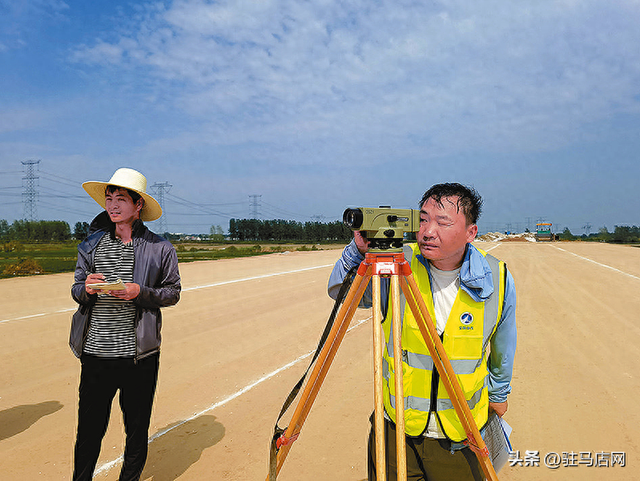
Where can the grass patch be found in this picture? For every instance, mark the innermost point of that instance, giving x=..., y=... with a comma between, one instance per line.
x=31, y=259
x=193, y=253
x=27, y=259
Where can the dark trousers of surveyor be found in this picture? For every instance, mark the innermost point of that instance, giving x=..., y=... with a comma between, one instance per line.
x=99, y=381
x=428, y=459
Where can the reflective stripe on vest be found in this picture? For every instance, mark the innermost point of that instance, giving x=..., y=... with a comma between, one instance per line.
x=466, y=337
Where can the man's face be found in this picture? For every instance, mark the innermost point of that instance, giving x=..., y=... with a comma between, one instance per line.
x=121, y=207
x=444, y=233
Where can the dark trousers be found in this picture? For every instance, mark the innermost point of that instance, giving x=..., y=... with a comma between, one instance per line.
x=99, y=381
x=428, y=459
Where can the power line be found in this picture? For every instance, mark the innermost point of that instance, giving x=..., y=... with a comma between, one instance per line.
x=279, y=211
x=60, y=180
x=71, y=210
x=203, y=214
x=61, y=194
x=201, y=207
x=223, y=204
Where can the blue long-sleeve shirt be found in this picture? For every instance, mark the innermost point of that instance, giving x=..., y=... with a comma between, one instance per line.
x=476, y=280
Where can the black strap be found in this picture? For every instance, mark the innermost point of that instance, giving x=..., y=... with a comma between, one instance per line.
x=277, y=430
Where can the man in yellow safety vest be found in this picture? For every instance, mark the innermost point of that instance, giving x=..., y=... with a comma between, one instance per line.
x=470, y=295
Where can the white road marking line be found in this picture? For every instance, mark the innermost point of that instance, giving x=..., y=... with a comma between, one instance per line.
x=107, y=466
x=38, y=315
x=183, y=290
x=223, y=283
x=22, y=318
x=597, y=263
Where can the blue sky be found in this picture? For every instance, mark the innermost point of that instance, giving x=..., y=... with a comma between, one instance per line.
x=316, y=106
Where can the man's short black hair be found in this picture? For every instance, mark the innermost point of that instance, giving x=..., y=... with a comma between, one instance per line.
x=110, y=189
x=468, y=199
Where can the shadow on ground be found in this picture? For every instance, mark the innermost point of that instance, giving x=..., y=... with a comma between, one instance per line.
x=171, y=454
x=20, y=418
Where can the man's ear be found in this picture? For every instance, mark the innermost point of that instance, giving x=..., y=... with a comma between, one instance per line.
x=472, y=232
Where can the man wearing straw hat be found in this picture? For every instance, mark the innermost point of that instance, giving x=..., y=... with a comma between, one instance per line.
x=470, y=296
x=124, y=275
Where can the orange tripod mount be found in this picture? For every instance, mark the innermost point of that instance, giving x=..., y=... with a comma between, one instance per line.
x=375, y=266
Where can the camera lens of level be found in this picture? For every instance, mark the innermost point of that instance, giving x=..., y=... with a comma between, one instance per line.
x=353, y=218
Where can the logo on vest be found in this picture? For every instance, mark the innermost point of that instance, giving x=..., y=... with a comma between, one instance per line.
x=466, y=319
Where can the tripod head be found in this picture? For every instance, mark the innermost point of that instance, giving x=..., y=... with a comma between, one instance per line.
x=384, y=227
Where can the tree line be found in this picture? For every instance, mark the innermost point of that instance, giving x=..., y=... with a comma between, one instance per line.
x=35, y=231
x=239, y=229
x=622, y=234
x=287, y=230
x=261, y=230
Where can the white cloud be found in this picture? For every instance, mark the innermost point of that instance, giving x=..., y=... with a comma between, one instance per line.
x=453, y=75
x=101, y=53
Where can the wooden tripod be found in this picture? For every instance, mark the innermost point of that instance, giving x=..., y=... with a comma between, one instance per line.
x=394, y=266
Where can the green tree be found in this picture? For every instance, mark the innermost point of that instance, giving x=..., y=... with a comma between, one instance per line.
x=624, y=234
x=567, y=235
x=233, y=229
x=216, y=233
x=80, y=230
x=603, y=234
x=39, y=231
x=4, y=229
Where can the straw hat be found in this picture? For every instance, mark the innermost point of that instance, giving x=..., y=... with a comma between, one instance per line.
x=128, y=179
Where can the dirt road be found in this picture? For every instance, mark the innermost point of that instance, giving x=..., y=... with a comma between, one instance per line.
x=241, y=336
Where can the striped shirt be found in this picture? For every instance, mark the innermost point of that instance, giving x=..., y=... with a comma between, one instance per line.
x=111, y=327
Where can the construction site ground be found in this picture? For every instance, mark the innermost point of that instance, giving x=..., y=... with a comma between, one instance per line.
x=242, y=335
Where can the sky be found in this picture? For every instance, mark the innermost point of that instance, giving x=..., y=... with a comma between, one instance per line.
x=293, y=109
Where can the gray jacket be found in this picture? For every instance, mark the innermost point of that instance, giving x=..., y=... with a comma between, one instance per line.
x=155, y=270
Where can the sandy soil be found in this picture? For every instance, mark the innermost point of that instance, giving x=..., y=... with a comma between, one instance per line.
x=223, y=374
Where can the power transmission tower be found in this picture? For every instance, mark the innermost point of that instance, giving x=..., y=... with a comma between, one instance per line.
x=30, y=193
x=587, y=228
x=255, y=203
x=159, y=189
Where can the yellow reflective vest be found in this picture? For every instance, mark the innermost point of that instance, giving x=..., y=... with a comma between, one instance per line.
x=465, y=339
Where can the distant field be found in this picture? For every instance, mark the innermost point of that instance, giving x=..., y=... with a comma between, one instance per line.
x=17, y=259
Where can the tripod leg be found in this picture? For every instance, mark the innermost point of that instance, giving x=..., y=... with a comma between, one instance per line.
x=325, y=358
x=447, y=374
x=381, y=471
x=401, y=450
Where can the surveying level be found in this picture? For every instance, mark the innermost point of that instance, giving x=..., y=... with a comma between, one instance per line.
x=384, y=227
x=376, y=265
